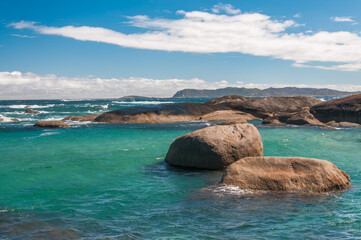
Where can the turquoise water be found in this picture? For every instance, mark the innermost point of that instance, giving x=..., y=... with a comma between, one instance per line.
x=101, y=181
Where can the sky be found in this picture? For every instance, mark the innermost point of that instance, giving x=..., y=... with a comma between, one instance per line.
x=107, y=49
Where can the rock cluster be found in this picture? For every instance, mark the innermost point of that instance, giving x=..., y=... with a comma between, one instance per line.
x=299, y=110
x=169, y=113
x=267, y=106
x=239, y=149
x=347, y=109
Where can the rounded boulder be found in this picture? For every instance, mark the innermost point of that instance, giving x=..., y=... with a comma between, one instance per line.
x=215, y=147
x=286, y=174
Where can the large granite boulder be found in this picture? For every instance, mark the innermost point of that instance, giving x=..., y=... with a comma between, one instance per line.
x=293, y=174
x=51, y=124
x=163, y=113
x=267, y=106
x=346, y=109
x=215, y=147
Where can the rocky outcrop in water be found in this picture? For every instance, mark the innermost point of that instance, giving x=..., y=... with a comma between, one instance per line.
x=267, y=106
x=83, y=118
x=51, y=124
x=286, y=174
x=215, y=147
x=168, y=113
x=347, y=109
x=343, y=124
x=31, y=111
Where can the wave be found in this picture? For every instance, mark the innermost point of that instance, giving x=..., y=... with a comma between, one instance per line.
x=141, y=102
x=27, y=106
x=77, y=100
x=5, y=119
x=48, y=134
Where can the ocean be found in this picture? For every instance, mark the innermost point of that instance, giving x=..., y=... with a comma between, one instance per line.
x=109, y=181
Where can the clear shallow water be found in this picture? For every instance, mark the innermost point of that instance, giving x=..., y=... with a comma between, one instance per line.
x=98, y=181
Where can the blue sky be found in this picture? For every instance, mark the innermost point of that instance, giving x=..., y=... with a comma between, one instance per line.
x=61, y=49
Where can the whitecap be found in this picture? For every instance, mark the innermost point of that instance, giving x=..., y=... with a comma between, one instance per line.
x=48, y=134
x=5, y=119
x=30, y=106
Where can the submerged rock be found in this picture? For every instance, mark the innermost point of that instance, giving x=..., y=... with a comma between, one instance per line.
x=15, y=120
x=346, y=109
x=215, y=147
x=51, y=124
x=84, y=118
x=343, y=124
x=294, y=174
x=31, y=111
x=267, y=106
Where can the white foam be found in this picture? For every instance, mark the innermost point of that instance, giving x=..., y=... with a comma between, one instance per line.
x=48, y=134
x=5, y=119
x=29, y=106
x=233, y=190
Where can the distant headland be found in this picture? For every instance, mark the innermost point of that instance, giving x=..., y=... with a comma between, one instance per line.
x=255, y=92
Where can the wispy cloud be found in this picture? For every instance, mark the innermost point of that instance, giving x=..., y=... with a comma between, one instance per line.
x=212, y=32
x=18, y=85
x=342, y=19
x=297, y=15
x=22, y=36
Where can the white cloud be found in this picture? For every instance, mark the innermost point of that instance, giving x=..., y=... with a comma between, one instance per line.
x=227, y=8
x=18, y=85
x=297, y=15
x=247, y=33
x=342, y=19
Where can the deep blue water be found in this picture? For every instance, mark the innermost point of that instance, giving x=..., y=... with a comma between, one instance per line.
x=109, y=181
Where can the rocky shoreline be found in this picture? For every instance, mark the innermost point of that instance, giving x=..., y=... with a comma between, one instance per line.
x=299, y=110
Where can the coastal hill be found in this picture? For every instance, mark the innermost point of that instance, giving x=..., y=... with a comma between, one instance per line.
x=255, y=92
